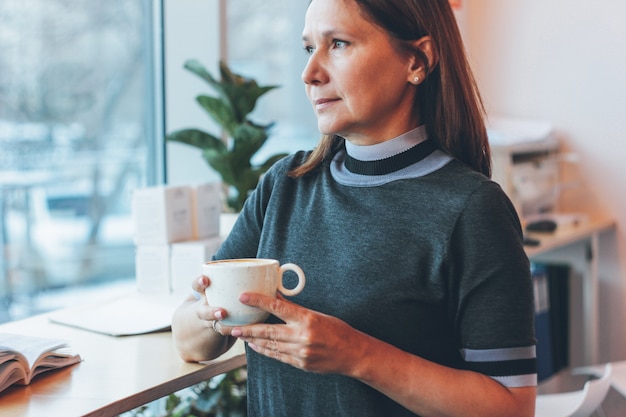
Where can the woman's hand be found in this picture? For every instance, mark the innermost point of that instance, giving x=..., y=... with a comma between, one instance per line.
x=308, y=340
x=320, y=343
x=204, y=310
x=194, y=328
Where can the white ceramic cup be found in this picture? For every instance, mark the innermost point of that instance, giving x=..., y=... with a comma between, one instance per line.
x=232, y=277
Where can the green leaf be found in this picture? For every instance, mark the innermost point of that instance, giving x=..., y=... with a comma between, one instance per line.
x=247, y=141
x=197, y=138
x=247, y=180
x=220, y=111
x=197, y=68
x=172, y=402
x=244, y=101
x=222, y=163
x=242, y=92
x=237, y=92
x=236, y=98
x=229, y=77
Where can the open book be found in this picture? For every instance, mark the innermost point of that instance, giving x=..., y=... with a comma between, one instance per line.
x=24, y=357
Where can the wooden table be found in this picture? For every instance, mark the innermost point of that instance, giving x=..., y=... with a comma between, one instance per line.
x=117, y=374
x=557, y=247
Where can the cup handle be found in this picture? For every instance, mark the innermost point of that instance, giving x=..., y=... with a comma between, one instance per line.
x=301, y=280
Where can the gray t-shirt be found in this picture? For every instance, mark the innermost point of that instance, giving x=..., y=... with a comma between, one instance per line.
x=430, y=261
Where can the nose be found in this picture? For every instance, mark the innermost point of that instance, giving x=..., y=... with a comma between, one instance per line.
x=313, y=72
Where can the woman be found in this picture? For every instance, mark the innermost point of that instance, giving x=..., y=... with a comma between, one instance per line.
x=418, y=298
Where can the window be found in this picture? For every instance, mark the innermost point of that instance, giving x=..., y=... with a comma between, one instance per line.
x=264, y=41
x=80, y=113
x=77, y=129
x=261, y=40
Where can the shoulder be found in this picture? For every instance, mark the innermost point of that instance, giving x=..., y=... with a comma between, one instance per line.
x=477, y=203
x=289, y=162
x=459, y=183
x=277, y=180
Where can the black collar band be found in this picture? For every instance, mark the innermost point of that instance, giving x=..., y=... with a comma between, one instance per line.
x=391, y=164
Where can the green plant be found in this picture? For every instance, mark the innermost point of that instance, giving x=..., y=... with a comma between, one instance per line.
x=222, y=396
x=231, y=158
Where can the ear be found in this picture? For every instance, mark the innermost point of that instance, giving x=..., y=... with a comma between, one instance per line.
x=424, y=59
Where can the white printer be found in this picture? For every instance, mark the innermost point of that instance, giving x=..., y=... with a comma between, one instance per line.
x=525, y=161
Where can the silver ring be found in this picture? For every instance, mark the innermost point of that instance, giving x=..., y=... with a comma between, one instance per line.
x=214, y=325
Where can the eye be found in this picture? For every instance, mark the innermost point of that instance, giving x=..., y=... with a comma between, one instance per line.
x=339, y=44
x=308, y=49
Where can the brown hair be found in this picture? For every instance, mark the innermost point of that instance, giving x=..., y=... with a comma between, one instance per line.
x=449, y=100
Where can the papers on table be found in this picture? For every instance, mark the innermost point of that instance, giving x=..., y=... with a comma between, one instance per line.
x=134, y=314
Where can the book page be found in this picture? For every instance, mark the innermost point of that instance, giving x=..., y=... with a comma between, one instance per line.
x=54, y=360
x=11, y=373
x=23, y=357
x=30, y=347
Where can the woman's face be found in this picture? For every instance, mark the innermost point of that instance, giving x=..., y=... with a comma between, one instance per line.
x=359, y=84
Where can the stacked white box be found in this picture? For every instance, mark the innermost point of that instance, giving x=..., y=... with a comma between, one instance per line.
x=176, y=230
x=206, y=206
x=162, y=214
x=152, y=268
x=186, y=261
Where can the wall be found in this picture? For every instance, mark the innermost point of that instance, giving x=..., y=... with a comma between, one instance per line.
x=560, y=61
x=194, y=30
x=191, y=31
x=563, y=61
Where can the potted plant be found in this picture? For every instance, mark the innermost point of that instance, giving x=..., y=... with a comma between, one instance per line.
x=230, y=156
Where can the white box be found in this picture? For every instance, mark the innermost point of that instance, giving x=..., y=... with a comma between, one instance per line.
x=206, y=207
x=162, y=214
x=186, y=261
x=152, y=268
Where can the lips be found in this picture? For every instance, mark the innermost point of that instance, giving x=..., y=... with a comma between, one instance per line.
x=322, y=103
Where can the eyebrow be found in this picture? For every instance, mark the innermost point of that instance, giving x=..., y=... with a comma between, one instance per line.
x=331, y=33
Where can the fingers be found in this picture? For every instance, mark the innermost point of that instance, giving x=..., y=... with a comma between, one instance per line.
x=278, y=306
x=271, y=349
x=264, y=335
x=221, y=328
x=264, y=339
x=207, y=312
x=200, y=283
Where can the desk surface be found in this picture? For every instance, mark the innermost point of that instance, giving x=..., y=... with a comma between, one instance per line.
x=568, y=234
x=117, y=374
x=587, y=232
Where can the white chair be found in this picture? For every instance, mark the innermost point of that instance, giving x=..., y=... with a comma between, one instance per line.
x=582, y=403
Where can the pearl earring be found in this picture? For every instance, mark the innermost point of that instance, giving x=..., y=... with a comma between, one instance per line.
x=417, y=80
